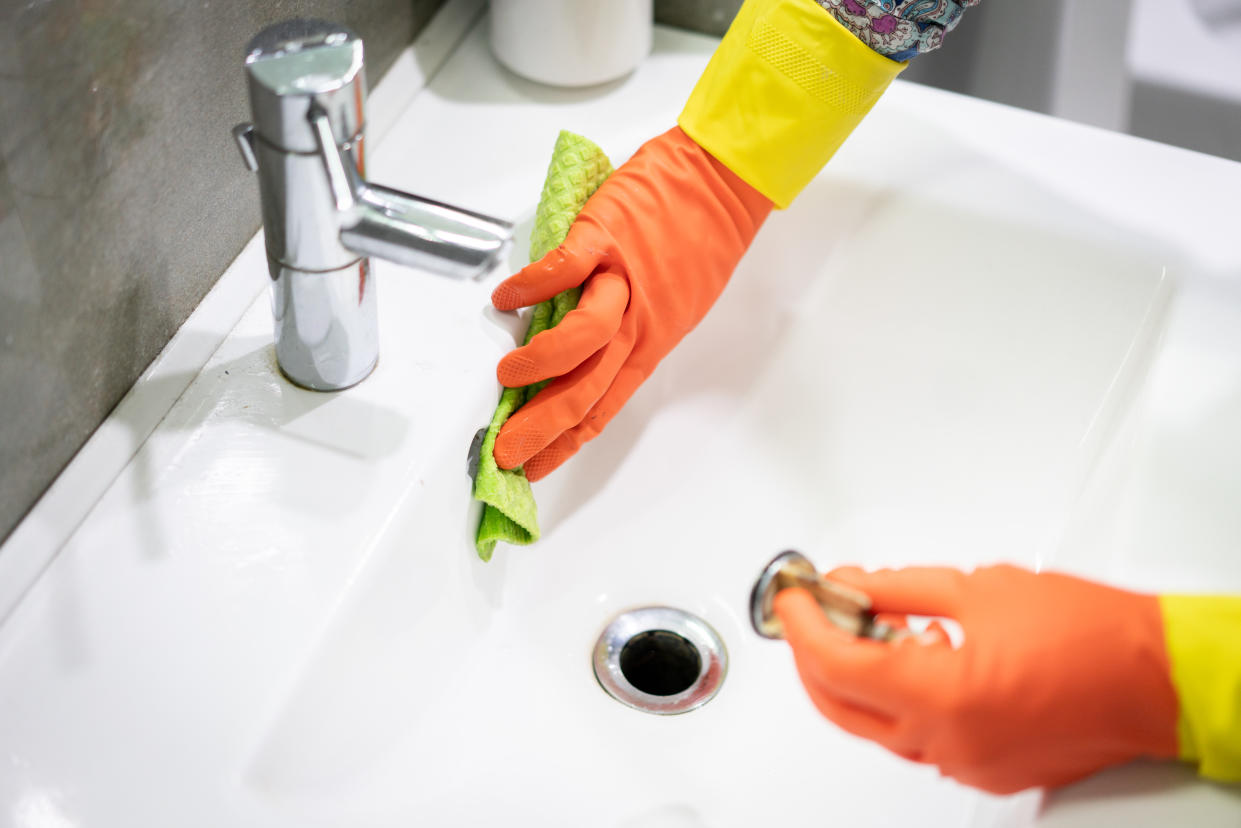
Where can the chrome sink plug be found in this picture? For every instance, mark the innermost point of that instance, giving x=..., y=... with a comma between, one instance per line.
x=322, y=219
x=844, y=606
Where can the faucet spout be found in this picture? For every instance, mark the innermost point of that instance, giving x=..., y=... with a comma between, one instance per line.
x=322, y=220
x=404, y=228
x=427, y=234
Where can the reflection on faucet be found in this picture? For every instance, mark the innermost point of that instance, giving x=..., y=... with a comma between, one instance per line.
x=322, y=219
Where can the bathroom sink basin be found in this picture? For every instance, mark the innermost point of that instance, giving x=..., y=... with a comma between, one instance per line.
x=892, y=391
x=274, y=616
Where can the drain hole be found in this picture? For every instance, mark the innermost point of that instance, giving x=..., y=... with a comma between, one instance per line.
x=660, y=662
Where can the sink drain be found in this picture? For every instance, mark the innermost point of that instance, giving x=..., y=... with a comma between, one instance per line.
x=660, y=660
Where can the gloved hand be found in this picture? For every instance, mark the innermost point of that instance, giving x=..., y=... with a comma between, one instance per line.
x=1057, y=677
x=652, y=248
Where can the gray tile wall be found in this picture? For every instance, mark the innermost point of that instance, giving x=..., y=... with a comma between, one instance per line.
x=122, y=196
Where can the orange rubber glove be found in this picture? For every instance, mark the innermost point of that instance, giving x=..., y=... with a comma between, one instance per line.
x=652, y=248
x=1057, y=677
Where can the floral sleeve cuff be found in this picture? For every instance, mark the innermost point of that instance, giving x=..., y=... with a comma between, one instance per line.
x=899, y=29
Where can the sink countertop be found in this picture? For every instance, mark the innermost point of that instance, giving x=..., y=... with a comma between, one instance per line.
x=142, y=675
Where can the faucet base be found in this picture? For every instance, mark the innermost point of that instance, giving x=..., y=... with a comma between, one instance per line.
x=326, y=324
x=322, y=219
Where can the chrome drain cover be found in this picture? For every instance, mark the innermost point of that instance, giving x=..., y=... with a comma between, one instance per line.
x=660, y=660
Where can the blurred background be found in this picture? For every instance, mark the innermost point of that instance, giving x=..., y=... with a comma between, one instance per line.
x=122, y=198
x=1168, y=70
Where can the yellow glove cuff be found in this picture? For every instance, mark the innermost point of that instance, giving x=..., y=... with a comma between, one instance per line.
x=782, y=92
x=1203, y=635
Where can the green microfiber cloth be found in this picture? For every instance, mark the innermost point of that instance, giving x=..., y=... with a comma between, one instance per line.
x=577, y=169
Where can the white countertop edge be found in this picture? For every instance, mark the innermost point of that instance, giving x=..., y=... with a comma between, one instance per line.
x=57, y=514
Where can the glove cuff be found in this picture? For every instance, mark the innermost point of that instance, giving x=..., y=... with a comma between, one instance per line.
x=784, y=89
x=1205, y=656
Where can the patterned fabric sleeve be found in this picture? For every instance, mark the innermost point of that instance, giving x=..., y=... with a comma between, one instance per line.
x=898, y=29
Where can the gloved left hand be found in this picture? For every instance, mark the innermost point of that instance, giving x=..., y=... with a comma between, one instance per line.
x=1057, y=678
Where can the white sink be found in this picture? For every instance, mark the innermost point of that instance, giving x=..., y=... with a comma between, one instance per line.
x=993, y=347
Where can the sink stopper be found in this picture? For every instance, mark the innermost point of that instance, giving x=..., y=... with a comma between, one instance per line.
x=846, y=607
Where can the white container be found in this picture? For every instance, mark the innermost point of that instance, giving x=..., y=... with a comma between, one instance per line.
x=571, y=42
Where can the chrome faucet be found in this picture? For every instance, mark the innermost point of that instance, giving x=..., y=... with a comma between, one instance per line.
x=322, y=219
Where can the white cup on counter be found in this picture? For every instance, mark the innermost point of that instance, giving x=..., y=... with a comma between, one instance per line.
x=571, y=42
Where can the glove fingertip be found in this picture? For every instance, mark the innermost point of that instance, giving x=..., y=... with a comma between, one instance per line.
x=545, y=462
x=516, y=370
x=800, y=614
x=507, y=297
x=515, y=446
x=849, y=575
x=506, y=459
x=789, y=602
x=562, y=268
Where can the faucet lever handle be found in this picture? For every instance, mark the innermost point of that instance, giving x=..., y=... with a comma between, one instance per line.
x=243, y=134
x=337, y=174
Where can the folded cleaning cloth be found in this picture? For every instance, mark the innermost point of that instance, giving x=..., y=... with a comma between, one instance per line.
x=577, y=169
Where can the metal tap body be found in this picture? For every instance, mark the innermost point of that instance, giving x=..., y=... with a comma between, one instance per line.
x=322, y=220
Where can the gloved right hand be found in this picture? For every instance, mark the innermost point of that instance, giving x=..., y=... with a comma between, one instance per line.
x=652, y=249
x=1057, y=678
